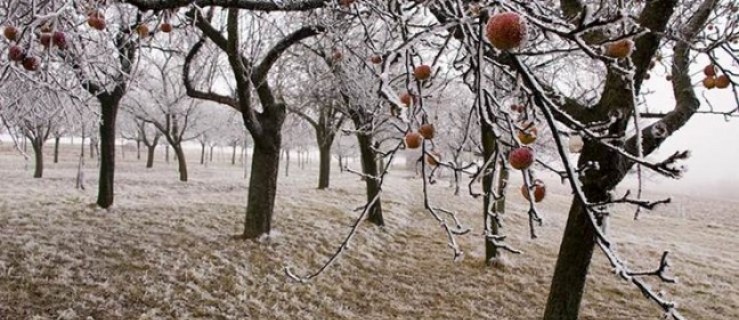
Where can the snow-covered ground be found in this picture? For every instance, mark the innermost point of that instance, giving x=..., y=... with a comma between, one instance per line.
x=166, y=250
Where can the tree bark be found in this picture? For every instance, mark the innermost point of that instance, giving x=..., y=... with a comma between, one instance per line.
x=56, y=149
x=202, y=153
x=233, y=155
x=575, y=253
x=324, y=172
x=181, y=163
x=38, y=151
x=107, y=153
x=488, y=151
x=262, y=190
x=287, y=162
x=150, y=156
x=369, y=168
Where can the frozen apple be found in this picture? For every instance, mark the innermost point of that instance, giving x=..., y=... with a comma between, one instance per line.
x=506, y=31
x=427, y=131
x=521, y=158
x=413, y=140
x=422, y=72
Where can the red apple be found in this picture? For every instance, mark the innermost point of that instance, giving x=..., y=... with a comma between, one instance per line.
x=166, y=27
x=506, y=31
x=16, y=53
x=31, y=63
x=45, y=39
x=427, y=131
x=710, y=70
x=142, y=30
x=422, y=72
x=376, y=59
x=96, y=20
x=406, y=99
x=709, y=82
x=539, y=191
x=723, y=81
x=413, y=140
x=521, y=158
x=59, y=39
x=11, y=33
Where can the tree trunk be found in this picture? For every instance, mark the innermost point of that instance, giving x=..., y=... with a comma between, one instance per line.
x=92, y=148
x=202, y=153
x=56, y=149
x=166, y=154
x=341, y=164
x=181, y=163
x=138, y=149
x=571, y=270
x=287, y=162
x=38, y=151
x=578, y=241
x=211, y=153
x=369, y=168
x=324, y=172
x=107, y=154
x=262, y=189
x=488, y=150
x=150, y=155
x=502, y=183
x=233, y=156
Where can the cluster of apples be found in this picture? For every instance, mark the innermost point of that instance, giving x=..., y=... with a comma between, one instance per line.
x=413, y=140
x=17, y=53
x=712, y=81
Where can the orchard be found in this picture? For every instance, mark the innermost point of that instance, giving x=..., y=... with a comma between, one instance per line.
x=580, y=103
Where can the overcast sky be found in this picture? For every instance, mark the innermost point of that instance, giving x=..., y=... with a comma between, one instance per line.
x=713, y=142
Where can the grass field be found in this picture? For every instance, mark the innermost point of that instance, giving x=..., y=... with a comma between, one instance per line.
x=166, y=251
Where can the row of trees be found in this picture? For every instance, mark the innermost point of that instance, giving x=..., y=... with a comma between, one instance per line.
x=487, y=76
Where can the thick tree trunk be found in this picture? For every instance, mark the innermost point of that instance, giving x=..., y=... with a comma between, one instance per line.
x=202, y=153
x=324, y=172
x=150, y=155
x=262, y=191
x=56, y=149
x=107, y=154
x=369, y=168
x=38, y=151
x=578, y=241
x=571, y=270
x=181, y=163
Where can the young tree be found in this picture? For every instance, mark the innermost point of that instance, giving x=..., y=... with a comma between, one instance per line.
x=265, y=126
x=160, y=99
x=319, y=107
